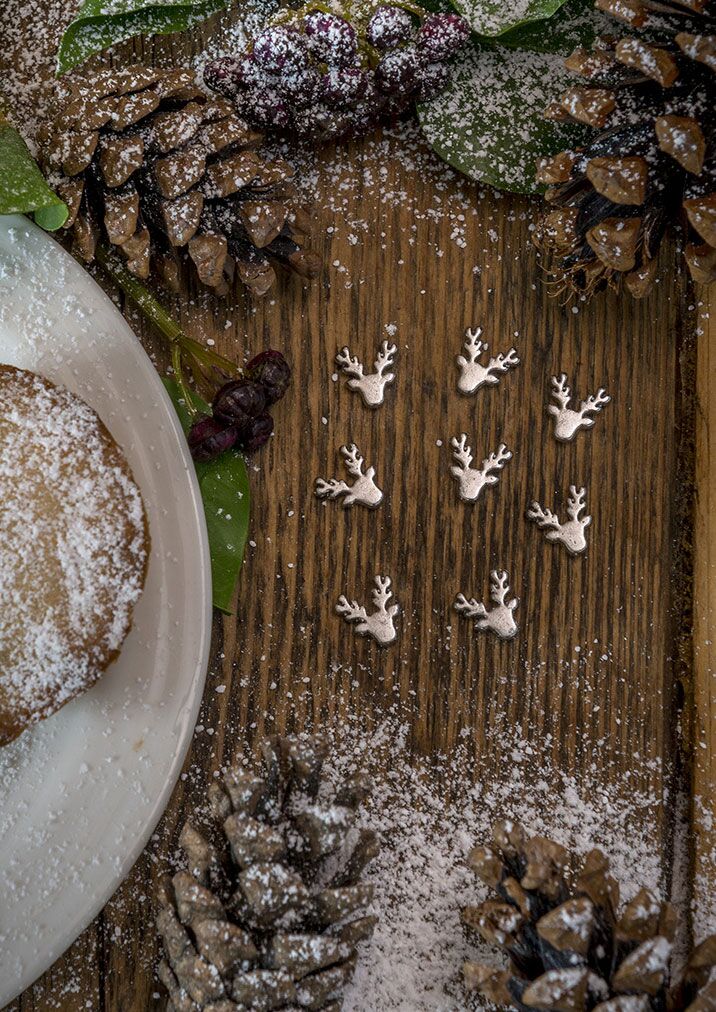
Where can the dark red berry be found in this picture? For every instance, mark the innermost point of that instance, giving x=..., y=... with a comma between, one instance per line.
x=224, y=75
x=441, y=35
x=343, y=85
x=397, y=71
x=279, y=48
x=259, y=433
x=388, y=27
x=433, y=78
x=267, y=107
x=209, y=438
x=237, y=402
x=272, y=371
x=302, y=87
x=331, y=39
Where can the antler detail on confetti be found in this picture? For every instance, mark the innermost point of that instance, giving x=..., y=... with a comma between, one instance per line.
x=569, y=421
x=363, y=490
x=380, y=625
x=471, y=481
x=473, y=374
x=349, y=364
x=571, y=533
x=500, y=619
x=371, y=386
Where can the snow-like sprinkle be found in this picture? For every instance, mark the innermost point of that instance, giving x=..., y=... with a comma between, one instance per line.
x=429, y=814
x=72, y=546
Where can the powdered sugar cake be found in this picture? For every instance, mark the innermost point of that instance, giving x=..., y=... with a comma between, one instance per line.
x=73, y=548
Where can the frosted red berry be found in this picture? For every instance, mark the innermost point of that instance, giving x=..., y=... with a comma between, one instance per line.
x=223, y=75
x=442, y=35
x=397, y=71
x=279, y=48
x=331, y=39
x=302, y=86
x=268, y=107
x=315, y=75
x=433, y=78
x=388, y=27
x=343, y=85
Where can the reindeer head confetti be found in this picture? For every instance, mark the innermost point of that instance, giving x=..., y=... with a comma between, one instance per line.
x=363, y=491
x=568, y=421
x=473, y=374
x=571, y=533
x=471, y=481
x=499, y=620
x=371, y=386
x=380, y=625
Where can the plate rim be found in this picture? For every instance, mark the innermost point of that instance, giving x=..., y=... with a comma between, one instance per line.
x=37, y=967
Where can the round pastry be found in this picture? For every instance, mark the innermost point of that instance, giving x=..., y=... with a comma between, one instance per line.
x=73, y=548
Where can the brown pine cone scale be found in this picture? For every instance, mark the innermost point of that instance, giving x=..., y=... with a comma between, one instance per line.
x=271, y=909
x=149, y=163
x=652, y=98
x=570, y=947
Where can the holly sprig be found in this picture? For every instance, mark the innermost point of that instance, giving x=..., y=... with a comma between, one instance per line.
x=224, y=482
x=488, y=123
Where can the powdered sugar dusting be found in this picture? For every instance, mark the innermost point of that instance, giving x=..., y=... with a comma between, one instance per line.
x=72, y=547
x=429, y=815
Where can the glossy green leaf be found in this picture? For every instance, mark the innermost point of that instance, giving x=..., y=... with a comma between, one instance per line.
x=224, y=485
x=576, y=24
x=22, y=186
x=489, y=123
x=493, y=17
x=102, y=23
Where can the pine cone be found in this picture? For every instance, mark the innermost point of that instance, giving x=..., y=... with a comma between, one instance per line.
x=152, y=165
x=570, y=949
x=652, y=96
x=271, y=910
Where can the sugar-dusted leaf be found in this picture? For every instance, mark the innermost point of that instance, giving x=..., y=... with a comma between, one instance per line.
x=224, y=485
x=22, y=186
x=493, y=17
x=489, y=123
x=102, y=23
x=577, y=23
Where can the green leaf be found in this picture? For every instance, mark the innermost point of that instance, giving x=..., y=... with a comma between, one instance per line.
x=224, y=485
x=493, y=17
x=488, y=123
x=22, y=185
x=102, y=23
x=576, y=24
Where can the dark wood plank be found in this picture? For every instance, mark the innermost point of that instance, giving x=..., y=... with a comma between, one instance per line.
x=703, y=729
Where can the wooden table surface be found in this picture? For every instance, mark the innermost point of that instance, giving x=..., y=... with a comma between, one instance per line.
x=613, y=707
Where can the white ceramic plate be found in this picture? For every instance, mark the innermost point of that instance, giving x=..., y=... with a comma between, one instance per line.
x=81, y=792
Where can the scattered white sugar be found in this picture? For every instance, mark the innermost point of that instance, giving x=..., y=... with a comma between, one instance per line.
x=480, y=107
x=72, y=546
x=31, y=32
x=704, y=902
x=430, y=814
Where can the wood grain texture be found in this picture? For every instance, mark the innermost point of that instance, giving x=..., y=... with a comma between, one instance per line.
x=704, y=712
x=592, y=678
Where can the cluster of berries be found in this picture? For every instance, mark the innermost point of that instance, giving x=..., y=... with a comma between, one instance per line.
x=239, y=415
x=321, y=76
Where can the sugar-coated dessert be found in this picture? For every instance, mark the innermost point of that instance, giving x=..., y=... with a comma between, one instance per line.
x=73, y=548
